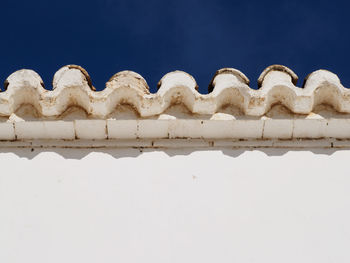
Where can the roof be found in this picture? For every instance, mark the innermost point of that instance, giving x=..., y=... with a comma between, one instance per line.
x=126, y=109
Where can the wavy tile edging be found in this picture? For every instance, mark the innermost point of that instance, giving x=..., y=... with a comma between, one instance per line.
x=72, y=87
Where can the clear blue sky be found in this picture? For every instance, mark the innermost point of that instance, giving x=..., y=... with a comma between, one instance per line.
x=154, y=37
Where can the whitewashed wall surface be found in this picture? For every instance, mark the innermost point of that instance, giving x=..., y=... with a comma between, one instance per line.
x=131, y=205
x=125, y=175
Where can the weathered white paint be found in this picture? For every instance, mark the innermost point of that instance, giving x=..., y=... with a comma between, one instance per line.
x=127, y=205
x=72, y=86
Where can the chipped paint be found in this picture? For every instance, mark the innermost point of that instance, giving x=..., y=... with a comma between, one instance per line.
x=126, y=109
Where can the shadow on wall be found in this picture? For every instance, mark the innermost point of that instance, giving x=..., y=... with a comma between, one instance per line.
x=117, y=153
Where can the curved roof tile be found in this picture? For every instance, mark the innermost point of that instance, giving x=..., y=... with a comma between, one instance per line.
x=72, y=86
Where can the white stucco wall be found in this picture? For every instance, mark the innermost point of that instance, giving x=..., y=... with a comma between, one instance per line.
x=273, y=205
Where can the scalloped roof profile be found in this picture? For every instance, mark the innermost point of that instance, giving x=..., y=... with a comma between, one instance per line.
x=232, y=110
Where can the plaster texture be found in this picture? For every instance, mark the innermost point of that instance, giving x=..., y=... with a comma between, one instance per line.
x=174, y=205
x=125, y=175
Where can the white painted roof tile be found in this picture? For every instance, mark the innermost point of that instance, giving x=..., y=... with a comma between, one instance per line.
x=231, y=109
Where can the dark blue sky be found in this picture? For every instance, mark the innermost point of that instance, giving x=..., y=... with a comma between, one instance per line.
x=154, y=37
